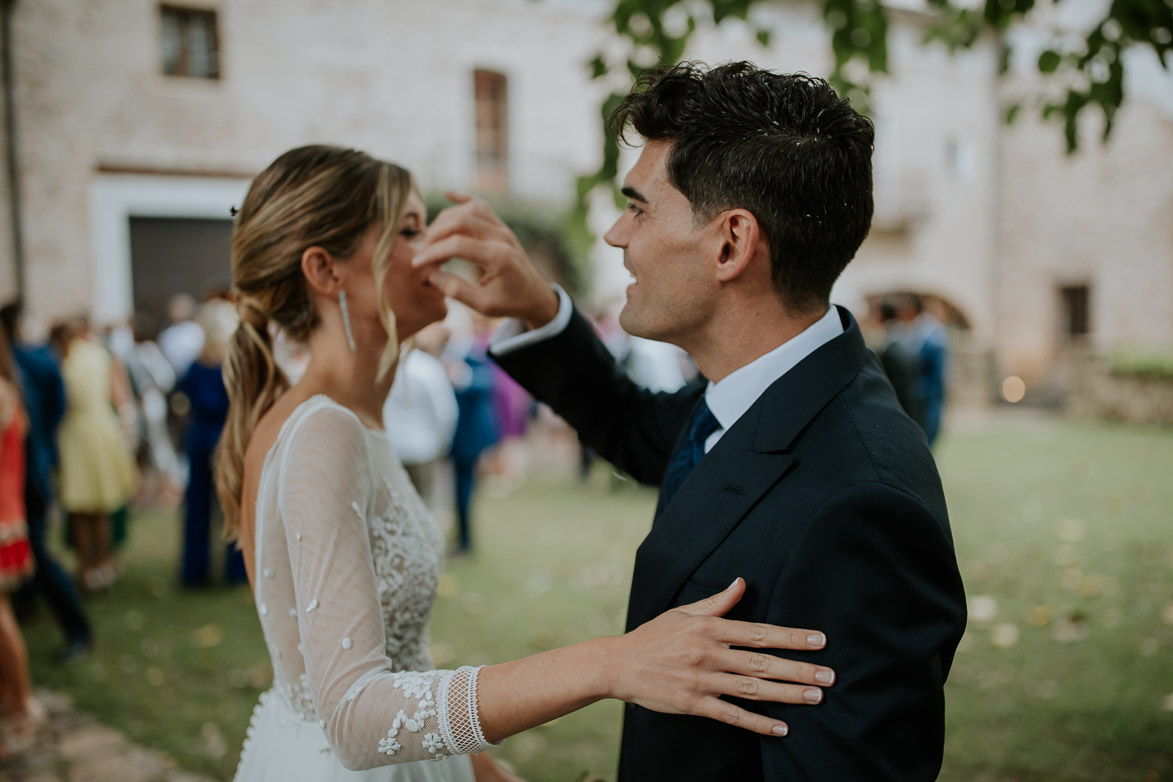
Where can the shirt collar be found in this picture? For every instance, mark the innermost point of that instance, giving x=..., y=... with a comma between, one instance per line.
x=736, y=392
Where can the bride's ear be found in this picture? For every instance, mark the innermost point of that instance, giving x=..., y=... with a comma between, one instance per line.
x=319, y=268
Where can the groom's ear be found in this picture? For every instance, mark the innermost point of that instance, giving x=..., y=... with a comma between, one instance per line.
x=738, y=241
x=320, y=270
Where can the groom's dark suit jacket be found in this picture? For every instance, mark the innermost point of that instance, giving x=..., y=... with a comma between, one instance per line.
x=825, y=498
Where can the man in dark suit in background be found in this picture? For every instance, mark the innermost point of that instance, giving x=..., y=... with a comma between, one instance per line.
x=791, y=464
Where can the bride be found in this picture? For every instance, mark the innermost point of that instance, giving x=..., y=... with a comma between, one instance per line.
x=343, y=556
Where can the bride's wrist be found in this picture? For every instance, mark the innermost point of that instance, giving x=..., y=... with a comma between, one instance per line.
x=607, y=660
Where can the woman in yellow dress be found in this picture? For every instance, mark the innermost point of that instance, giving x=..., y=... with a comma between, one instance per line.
x=97, y=472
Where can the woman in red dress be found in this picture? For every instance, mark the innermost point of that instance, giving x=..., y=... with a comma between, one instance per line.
x=20, y=713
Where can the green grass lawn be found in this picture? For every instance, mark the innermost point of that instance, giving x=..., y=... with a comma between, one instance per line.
x=1063, y=533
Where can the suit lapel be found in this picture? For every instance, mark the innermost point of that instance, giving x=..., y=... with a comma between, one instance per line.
x=746, y=462
x=724, y=486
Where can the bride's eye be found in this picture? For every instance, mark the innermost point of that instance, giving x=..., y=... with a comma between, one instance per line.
x=410, y=233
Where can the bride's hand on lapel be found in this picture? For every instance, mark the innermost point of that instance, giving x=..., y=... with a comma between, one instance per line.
x=681, y=662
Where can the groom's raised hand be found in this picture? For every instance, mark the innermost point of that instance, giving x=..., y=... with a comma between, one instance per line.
x=508, y=285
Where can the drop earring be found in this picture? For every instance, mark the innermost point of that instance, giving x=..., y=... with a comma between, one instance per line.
x=346, y=320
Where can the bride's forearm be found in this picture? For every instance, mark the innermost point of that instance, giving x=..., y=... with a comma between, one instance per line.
x=522, y=694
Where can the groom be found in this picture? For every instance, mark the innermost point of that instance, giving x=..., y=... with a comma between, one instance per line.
x=792, y=464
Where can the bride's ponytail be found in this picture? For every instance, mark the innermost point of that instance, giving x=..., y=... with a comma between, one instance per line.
x=311, y=196
x=254, y=381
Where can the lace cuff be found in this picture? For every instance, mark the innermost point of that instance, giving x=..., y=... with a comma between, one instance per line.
x=460, y=723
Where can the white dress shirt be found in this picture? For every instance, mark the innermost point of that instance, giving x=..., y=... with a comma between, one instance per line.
x=737, y=391
x=729, y=398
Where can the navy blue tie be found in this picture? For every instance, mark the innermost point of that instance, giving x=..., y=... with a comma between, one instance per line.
x=688, y=454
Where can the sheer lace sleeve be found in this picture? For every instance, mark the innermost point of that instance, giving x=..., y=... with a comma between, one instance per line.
x=371, y=715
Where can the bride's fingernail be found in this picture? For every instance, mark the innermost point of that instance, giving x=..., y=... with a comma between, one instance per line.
x=816, y=639
x=779, y=730
x=812, y=696
x=825, y=677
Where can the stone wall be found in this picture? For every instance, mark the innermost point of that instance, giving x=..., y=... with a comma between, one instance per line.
x=1138, y=399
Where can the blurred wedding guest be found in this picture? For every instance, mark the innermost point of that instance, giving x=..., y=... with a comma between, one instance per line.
x=97, y=473
x=43, y=394
x=183, y=338
x=125, y=401
x=472, y=379
x=512, y=407
x=19, y=711
x=901, y=365
x=153, y=379
x=927, y=339
x=420, y=413
x=204, y=386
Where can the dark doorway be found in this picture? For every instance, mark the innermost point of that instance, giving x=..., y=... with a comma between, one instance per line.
x=170, y=255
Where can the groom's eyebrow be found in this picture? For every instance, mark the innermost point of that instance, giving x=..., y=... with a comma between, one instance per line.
x=633, y=194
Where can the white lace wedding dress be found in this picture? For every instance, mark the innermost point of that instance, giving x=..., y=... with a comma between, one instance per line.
x=347, y=562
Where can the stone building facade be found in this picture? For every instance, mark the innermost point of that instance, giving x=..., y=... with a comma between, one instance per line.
x=1036, y=254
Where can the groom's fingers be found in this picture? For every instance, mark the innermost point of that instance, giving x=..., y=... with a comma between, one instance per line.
x=470, y=216
x=456, y=287
x=457, y=197
x=484, y=253
x=474, y=219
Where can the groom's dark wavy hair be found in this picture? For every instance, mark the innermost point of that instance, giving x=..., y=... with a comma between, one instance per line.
x=783, y=146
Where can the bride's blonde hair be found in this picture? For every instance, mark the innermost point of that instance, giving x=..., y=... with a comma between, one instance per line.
x=316, y=195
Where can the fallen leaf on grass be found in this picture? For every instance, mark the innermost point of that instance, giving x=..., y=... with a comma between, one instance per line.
x=473, y=603
x=1044, y=690
x=982, y=608
x=1041, y=615
x=1168, y=703
x=1071, y=578
x=1091, y=586
x=150, y=648
x=212, y=740
x=1004, y=636
x=208, y=636
x=260, y=676
x=1072, y=629
x=539, y=582
x=448, y=586
x=1071, y=530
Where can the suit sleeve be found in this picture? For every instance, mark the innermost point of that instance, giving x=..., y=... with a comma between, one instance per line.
x=876, y=570
x=574, y=373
